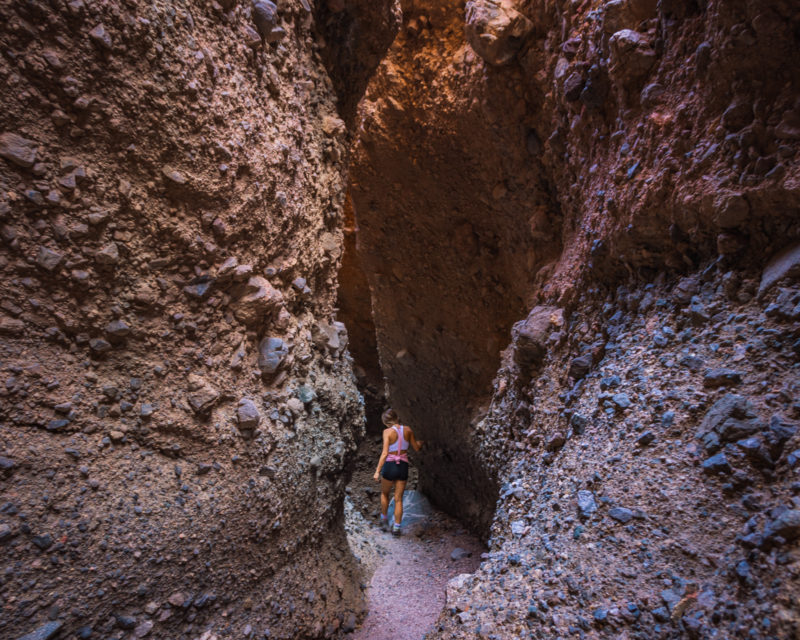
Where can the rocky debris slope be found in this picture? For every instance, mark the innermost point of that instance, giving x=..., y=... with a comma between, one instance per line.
x=650, y=469
x=178, y=406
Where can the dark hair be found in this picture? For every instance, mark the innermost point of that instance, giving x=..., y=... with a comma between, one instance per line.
x=390, y=417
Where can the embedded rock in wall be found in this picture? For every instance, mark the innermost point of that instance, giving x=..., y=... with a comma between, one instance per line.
x=532, y=337
x=167, y=172
x=495, y=29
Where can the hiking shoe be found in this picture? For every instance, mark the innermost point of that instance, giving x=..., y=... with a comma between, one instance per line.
x=395, y=529
x=384, y=524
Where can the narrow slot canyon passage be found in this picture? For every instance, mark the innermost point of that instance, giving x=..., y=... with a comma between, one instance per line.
x=405, y=576
x=561, y=238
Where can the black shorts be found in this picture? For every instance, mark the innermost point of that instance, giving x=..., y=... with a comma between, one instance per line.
x=395, y=471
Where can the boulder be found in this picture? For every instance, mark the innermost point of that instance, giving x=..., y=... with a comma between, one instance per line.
x=173, y=176
x=580, y=366
x=731, y=211
x=717, y=464
x=738, y=115
x=117, y=329
x=101, y=37
x=495, y=29
x=617, y=16
x=107, y=255
x=530, y=337
x=731, y=417
x=632, y=56
x=785, y=264
x=721, y=377
x=330, y=336
x=11, y=326
x=48, y=259
x=621, y=514
x=265, y=17
x=786, y=525
x=555, y=441
x=271, y=354
x=258, y=301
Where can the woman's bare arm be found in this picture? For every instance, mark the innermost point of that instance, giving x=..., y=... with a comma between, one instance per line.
x=384, y=453
x=417, y=444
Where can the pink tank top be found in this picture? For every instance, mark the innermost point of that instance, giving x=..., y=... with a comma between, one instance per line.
x=398, y=446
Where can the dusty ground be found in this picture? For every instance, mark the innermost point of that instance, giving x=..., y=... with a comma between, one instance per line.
x=407, y=575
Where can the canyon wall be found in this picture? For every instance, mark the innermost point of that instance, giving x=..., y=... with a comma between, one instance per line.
x=178, y=406
x=571, y=216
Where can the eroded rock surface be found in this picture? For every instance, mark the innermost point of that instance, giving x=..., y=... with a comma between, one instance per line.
x=174, y=436
x=577, y=235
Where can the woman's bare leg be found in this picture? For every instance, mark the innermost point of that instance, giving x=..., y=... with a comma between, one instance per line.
x=386, y=489
x=399, y=489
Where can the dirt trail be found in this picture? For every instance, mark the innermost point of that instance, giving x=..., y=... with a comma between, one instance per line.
x=407, y=574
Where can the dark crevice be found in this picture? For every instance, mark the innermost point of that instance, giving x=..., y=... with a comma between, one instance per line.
x=355, y=310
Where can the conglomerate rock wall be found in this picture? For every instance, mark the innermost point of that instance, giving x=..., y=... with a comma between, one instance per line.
x=178, y=407
x=572, y=216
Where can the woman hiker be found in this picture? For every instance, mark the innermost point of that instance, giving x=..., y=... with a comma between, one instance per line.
x=392, y=468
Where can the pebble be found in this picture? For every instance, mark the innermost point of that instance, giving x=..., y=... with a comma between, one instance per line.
x=45, y=632
x=271, y=353
x=48, y=259
x=101, y=37
x=645, y=439
x=18, y=150
x=586, y=503
x=247, y=414
x=717, y=464
x=714, y=378
x=621, y=514
x=108, y=255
